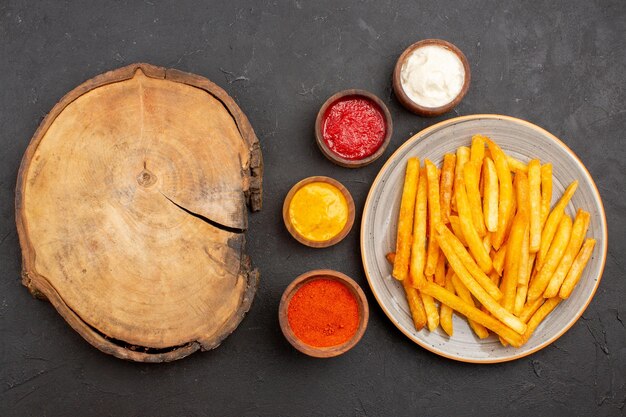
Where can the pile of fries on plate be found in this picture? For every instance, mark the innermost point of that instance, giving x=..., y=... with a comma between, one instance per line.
x=479, y=236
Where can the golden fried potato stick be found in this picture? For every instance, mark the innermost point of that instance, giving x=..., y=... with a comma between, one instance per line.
x=391, y=257
x=530, y=308
x=490, y=195
x=579, y=230
x=545, y=309
x=520, y=299
x=434, y=217
x=523, y=274
x=477, y=150
x=440, y=270
x=445, y=312
x=457, y=304
x=505, y=184
x=445, y=188
x=557, y=249
x=478, y=291
x=534, y=185
x=522, y=197
x=462, y=156
x=516, y=165
x=575, y=272
x=471, y=176
x=466, y=296
x=443, y=233
x=552, y=222
x=455, y=223
x=477, y=155
x=546, y=192
x=416, y=306
x=432, y=314
x=509, y=222
x=494, y=277
x=487, y=242
x=508, y=285
x=498, y=259
x=405, y=220
x=467, y=226
x=418, y=247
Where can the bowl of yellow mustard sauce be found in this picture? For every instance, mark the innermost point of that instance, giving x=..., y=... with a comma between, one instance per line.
x=318, y=211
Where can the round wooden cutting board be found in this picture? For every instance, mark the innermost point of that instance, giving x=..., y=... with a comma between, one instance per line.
x=131, y=212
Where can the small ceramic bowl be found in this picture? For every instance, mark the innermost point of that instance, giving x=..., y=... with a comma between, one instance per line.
x=332, y=156
x=330, y=351
x=412, y=105
x=316, y=243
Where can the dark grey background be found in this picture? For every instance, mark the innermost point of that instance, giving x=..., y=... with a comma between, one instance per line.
x=561, y=66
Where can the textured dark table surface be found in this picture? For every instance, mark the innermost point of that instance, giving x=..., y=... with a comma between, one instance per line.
x=560, y=65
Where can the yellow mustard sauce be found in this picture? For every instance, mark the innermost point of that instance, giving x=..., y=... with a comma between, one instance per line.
x=318, y=211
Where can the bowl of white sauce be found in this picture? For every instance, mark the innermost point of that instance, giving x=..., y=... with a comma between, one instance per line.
x=431, y=77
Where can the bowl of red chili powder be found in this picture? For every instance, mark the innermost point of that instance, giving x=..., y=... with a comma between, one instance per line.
x=323, y=313
x=353, y=128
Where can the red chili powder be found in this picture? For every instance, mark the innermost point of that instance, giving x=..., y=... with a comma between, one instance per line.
x=323, y=313
x=354, y=127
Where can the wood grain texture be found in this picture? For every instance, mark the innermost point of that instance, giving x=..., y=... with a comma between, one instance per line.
x=131, y=212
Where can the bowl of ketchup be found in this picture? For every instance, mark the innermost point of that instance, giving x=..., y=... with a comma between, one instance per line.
x=353, y=128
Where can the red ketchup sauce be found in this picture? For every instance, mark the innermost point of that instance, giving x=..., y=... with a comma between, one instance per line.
x=354, y=127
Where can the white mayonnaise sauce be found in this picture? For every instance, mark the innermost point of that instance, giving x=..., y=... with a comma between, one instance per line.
x=432, y=76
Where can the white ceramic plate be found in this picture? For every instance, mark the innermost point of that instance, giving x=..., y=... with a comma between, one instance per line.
x=522, y=140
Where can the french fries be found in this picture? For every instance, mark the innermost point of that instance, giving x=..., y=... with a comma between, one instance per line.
x=505, y=183
x=573, y=276
x=546, y=191
x=434, y=217
x=477, y=150
x=479, y=237
x=440, y=271
x=579, y=229
x=523, y=275
x=557, y=249
x=516, y=165
x=490, y=199
x=416, y=305
x=477, y=291
x=462, y=156
x=459, y=250
x=445, y=187
x=445, y=313
x=432, y=314
x=552, y=222
x=510, y=277
x=418, y=248
x=405, y=220
x=545, y=309
x=471, y=175
x=534, y=185
x=446, y=297
x=467, y=226
x=455, y=224
x=529, y=309
x=466, y=296
x=498, y=259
